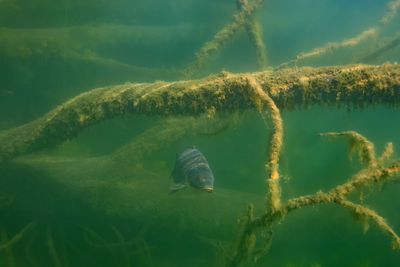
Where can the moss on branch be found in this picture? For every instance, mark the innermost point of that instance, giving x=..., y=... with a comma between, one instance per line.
x=372, y=174
x=355, y=85
x=243, y=18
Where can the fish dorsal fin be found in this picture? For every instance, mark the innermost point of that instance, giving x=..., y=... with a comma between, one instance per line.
x=193, y=147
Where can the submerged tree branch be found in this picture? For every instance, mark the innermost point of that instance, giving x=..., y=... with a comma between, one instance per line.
x=392, y=8
x=254, y=31
x=355, y=85
x=8, y=243
x=275, y=144
x=243, y=18
x=373, y=173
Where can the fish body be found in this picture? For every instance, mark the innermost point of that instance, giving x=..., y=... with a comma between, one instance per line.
x=192, y=168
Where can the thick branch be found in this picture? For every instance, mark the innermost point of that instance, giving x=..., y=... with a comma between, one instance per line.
x=357, y=85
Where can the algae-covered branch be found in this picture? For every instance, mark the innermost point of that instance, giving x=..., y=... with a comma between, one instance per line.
x=354, y=86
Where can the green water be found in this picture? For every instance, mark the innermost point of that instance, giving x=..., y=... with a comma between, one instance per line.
x=95, y=200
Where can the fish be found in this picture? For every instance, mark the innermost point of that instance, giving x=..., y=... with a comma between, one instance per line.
x=192, y=168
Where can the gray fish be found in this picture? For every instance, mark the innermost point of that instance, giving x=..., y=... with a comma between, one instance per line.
x=191, y=168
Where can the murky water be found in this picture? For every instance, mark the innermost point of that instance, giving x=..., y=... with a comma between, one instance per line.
x=102, y=198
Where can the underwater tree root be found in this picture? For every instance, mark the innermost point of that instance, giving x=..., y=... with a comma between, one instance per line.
x=354, y=86
x=373, y=173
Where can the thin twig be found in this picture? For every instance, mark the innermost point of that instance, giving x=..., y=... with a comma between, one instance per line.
x=18, y=236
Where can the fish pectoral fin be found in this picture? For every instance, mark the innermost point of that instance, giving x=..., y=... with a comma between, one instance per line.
x=176, y=187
